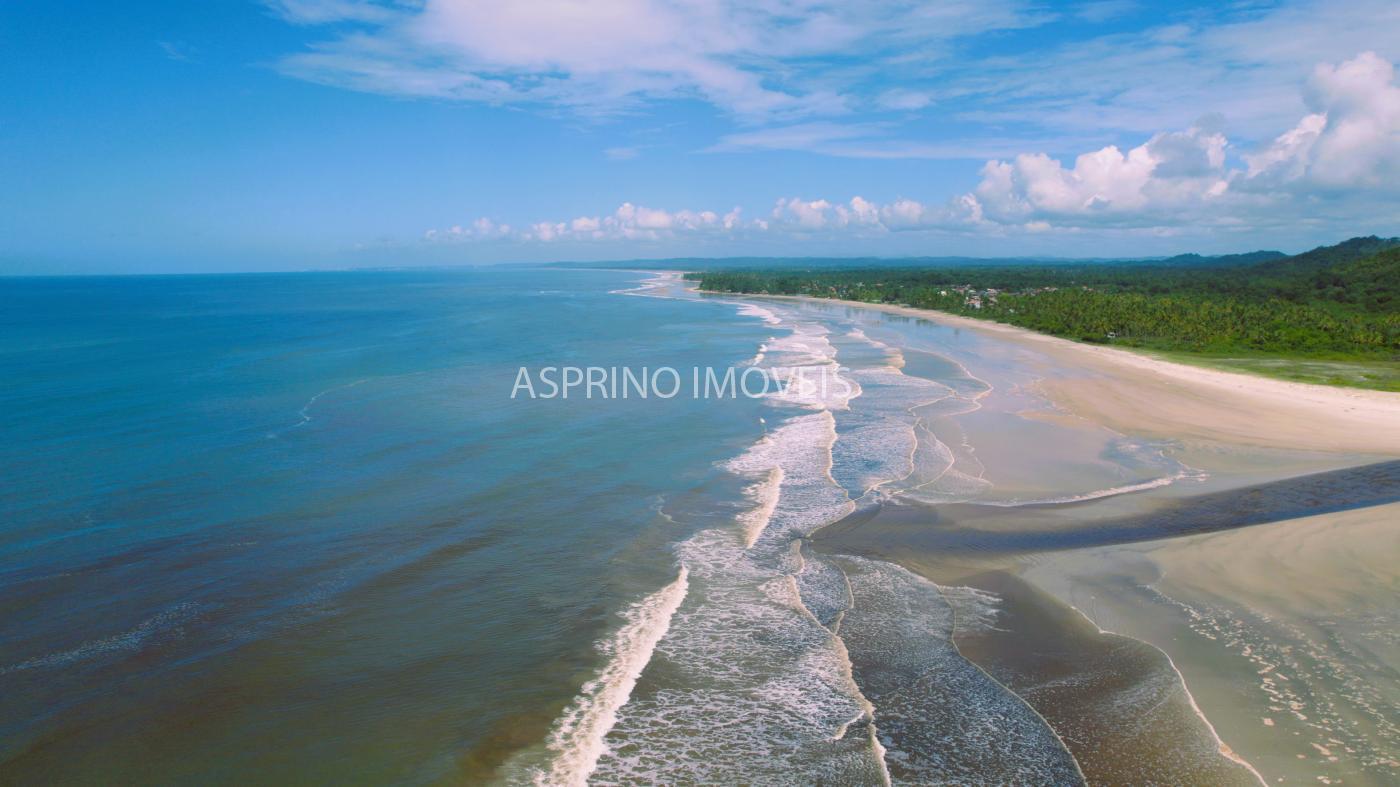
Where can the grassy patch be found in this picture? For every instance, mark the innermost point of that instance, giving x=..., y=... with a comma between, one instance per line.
x=1378, y=375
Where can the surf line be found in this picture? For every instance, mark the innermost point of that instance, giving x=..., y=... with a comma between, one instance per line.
x=1221, y=747
x=953, y=640
x=578, y=735
x=848, y=673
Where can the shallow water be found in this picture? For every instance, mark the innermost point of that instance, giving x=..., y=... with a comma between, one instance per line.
x=1285, y=632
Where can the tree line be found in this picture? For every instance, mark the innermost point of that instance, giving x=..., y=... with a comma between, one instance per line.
x=1336, y=302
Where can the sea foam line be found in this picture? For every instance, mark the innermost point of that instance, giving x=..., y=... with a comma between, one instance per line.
x=1101, y=493
x=766, y=494
x=653, y=287
x=129, y=641
x=578, y=735
x=1222, y=747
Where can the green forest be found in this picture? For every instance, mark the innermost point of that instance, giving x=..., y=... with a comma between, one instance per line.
x=1331, y=314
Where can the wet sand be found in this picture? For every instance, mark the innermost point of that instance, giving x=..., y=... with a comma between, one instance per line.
x=1115, y=701
x=1286, y=631
x=974, y=529
x=1232, y=628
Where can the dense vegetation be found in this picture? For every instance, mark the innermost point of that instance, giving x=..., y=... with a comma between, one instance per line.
x=1333, y=303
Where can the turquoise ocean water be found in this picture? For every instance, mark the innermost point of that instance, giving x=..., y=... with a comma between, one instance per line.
x=294, y=528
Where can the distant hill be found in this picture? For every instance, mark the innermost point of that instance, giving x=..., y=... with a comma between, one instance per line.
x=854, y=263
x=819, y=263
x=1360, y=272
x=1304, y=314
x=1196, y=260
x=1324, y=257
x=1373, y=282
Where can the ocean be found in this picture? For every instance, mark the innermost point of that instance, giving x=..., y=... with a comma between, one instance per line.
x=296, y=528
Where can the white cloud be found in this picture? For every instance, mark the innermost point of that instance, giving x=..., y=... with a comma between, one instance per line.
x=903, y=99
x=481, y=229
x=177, y=50
x=766, y=59
x=803, y=215
x=1170, y=172
x=1346, y=147
x=1351, y=140
x=320, y=12
x=1244, y=61
x=868, y=140
x=788, y=216
x=787, y=61
x=628, y=222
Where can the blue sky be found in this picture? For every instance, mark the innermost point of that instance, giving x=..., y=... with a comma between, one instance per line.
x=292, y=134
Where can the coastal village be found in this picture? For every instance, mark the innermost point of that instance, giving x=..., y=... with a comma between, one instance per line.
x=972, y=297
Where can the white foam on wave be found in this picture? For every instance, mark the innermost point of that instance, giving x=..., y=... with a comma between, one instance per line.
x=1097, y=494
x=765, y=496
x=804, y=362
x=751, y=686
x=1222, y=748
x=947, y=469
x=304, y=414
x=653, y=287
x=754, y=310
x=578, y=737
x=796, y=494
x=974, y=610
x=749, y=681
x=888, y=448
x=766, y=690
x=893, y=355
x=880, y=439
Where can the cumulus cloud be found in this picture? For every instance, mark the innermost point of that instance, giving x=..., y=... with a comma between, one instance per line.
x=481, y=229
x=1346, y=146
x=789, y=215
x=628, y=222
x=1169, y=173
x=1350, y=140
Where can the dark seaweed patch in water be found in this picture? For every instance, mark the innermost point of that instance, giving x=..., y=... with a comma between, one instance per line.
x=946, y=529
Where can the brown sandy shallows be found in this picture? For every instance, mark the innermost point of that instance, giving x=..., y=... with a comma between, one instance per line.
x=1286, y=632
x=1312, y=600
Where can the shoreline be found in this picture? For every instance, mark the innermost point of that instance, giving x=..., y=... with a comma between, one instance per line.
x=1219, y=417
x=1232, y=423
x=1135, y=393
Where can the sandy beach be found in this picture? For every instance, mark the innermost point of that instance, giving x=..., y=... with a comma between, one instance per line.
x=1284, y=632
x=1246, y=637
x=1139, y=394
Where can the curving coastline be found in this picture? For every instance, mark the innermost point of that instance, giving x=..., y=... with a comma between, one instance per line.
x=1139, y=393
x=842, y=637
